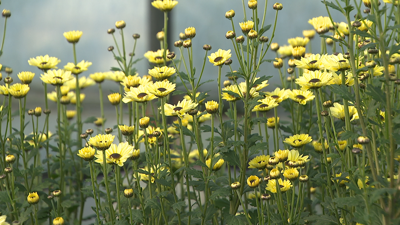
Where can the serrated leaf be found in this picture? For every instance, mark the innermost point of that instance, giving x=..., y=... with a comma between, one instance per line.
x=348, y=201
x=362, y=33
x=152, y=203
x=187, y=132
x=184, y=76
x=232, y=158
x=194, y=173
x=221, y=192
x=178, y=205
x=322, y=219
x=342, y=91
x=90, y=119
x=236, y=220
x=378, y=193
x=333, y=6
x=376, y=93
x=137, y=215
x=4, y=197
x=394, y=49
x=115, y=69
x=264, y=29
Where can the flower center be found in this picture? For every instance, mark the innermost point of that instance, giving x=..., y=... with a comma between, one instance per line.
x=177, y=108
x=158, y=58
x=142, y=95
x=162, y=89
x=161, y=72
x=300, y=97
x=43, y=63
x=342, y=61
x=313, y=62
x=218, y=59
x=275, y=96
x=314, y=80
x=77, y=68
x=281, y=186
x=57, y=77
x=115, y=156
x=264, y=105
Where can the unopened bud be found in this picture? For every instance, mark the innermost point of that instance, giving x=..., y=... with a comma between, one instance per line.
x=84, y=135
x=240, y=39
x=108, y=130
x=230, y=14
x=187, y=43
x=263, y=39
x=274, y=47
x=230, y=34
x=228, y=62
x=227, y=83
x=144, y=122
x=207, y=47
x=89, y=131
x=136, y=36
x=111, y=31
x=31, y=112
x=160, y=35
x=110, y=49
x=178, y=43
x=277, y=6
x=6, y=13
x=120, y=24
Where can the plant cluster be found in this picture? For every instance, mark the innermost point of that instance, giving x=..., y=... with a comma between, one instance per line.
x=321, y=147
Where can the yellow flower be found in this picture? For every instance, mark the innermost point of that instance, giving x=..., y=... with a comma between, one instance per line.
x=266, y=104
x=298, y=140
x=284, y=185
x=300, y=96
x=219, y=57
x=365, y=25
x=56, y=77
x=98, y=77
x=318, y=146
x=342, y=145
x=362, y=184
x=19, y=90
x=114, y=98
x=131, y=81
x=164, y=5
x=282, y=155
x=153, y=133
x=84, y=82
x=246, y=26
x=116, y=76
x=71, y=114
x=44, y=62
x=291, y=173
x=335, y=62
x=195, y=154
x=99, y=122
x=73, y=36
x=139, y=94
x=156, y=57
x=78, y=68
x=278, y=94
x=87, y=153
x=321, y=24
x=212, y=106
x=74, y=96
x=40, y=139
x=298, y=41
x=217, y=164
x=33, y=198
x=312, y=62
x=395, y=2
x=179, y=109
x=253, y=181
x=58, y=221
x=126, y=130
x=271, y=122
x=341, y=181
x=343, y=28
x=26, y=77
x=261, y=85
x=228, y=96
x=120, y=24
x=314, y=79
x=243, y=89
x=285, y=51
x=338, y=111
x=135, y=154
x=4, y=90
x=116, y=154
x=101, y=141
x=337, y=79
x=309, y=33
x=259, y=162
x=190, y=32
x=162, y=73
x=295, y=157
x=3, y=220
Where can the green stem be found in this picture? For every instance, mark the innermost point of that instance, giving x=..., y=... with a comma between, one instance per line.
x=110, y=205
x=94, y=191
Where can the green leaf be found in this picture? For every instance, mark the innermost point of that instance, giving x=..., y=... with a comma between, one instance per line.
x=342, y=91
x=370, y=45
x=376, y=93
x=264, y=29
x=195, y=173
x=90, y=119
x=184, y=76
x=187, y=132
x=68, y=204
x=232, y=158
x=362, y=33
x=348, y=201
x=333, y=6
x=177, y=206
x=221, y=192
x=4, y=197
x=211, y=210
x=394, y=49
x=322, y=219
x=236, y=220
x=152, y=203
x=379, y=193
x=137, y=215
x=115, y=69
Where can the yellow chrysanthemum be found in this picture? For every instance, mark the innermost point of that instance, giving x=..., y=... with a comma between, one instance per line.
x=298, y=41
x=44, y=62
x=58, y=221
x=116, y=154
x=139, y=94
x=266, y=104
x=84, y=82
x=312, y=62
x=338, y=111
x=87, y=153
x=126, y=130
x=259, y=162
x=162, y=73
x=298, y=140
x=309, y=33
x=395, y=2
x=212, y=106
x=4, y=90
x=278, y=94
x=164, y=5
x=337, y=79
x=56, y=77
x=153, y=133
x=156, y=57
x=342, y=181
x=343, y=28
x=300, y=96
x=161, y=88
x=253, y=181
x=217, y=163
x=70, y=114
x=318, y=146
x=261, y=85
x=271, y=122
x=98, y=77
x=179, y=109
x=321, y=24
x=246, y=26
x=131, y=81
x=117, y=76
x=219, y=57
x=114, y=98
x=101, y=141
x=283, y=184
x=291, y=173
x=26, y=77
x=73, y=36
x=295, y=157
x=230, y=97
x=195, y=154
x=73, y=97
x=285, y=51
x=365, y=25
x=78, y=68
x=314, y=79
x=19, y=90
x=33, y=198
x=282, y=155
x=335, y=62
